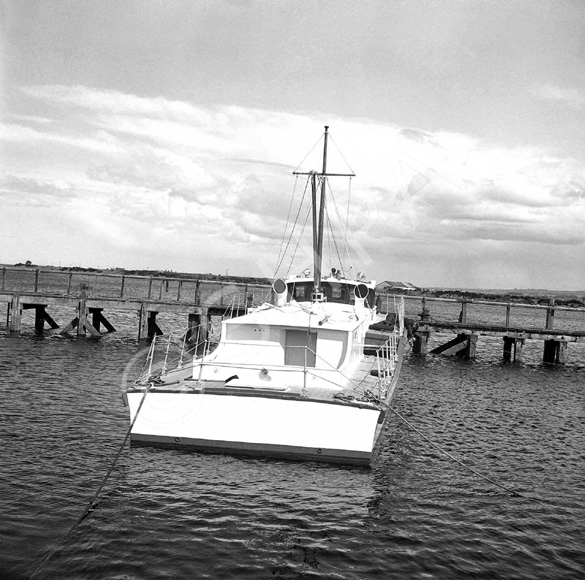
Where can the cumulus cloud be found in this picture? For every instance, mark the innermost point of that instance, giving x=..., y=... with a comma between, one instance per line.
x=180, y=172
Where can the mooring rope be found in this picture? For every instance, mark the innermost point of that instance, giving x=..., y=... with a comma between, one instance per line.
x=513, y=492
x=91, y=505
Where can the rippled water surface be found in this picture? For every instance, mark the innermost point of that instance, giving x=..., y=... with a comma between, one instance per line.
x=175, y=514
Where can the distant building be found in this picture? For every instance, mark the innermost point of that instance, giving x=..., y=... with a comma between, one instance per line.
x=389, y=286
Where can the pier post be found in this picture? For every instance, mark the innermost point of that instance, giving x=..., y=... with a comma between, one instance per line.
x=513, y=348
x=98, y=319
x=153, y=329
x=198, y=326
x=471, y=346
x=421, y=340
x=550, y=314
x=39, y=319
x=14, y=314
x=147, y=326
x=463, y=313
x=41, y=316
x=519, y=349
x=142, y=322
x=82, y=310
x=561, y=351
x=424, y=332
x=81, y=321
x=554, y=351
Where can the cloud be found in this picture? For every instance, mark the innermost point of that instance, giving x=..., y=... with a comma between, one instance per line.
x=150, y=171
x=23, y=190
x=570, y=97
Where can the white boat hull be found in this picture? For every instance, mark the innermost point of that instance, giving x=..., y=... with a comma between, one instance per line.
x=267, y=424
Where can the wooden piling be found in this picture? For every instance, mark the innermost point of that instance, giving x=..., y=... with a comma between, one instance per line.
x=554, y=351
x=550, y=315
x=98, y=319
x=41, y=316
x=14, y=314
x=513, y=348
x=421, y=340
x=470, y=346
x=152, y=327
x=199, y=321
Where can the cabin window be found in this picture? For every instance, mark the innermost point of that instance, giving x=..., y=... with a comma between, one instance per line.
x=300, y=348
x=300, y=292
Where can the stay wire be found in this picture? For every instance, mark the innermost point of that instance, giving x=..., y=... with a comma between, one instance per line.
x=91, y=504
x=282, y=247
x=343, y=234
x=284, y=251
x=511, y=491
x=294, y=254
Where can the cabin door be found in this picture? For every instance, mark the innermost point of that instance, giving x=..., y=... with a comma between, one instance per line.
x=295, y=351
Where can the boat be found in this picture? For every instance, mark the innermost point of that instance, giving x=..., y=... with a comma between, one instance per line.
x=292, y=378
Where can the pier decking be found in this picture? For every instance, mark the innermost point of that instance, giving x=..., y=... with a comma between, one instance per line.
x=92, y=295
x=467, y=329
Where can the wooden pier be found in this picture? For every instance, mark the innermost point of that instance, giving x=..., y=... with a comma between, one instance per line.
x=467, y=331
x=92, y=295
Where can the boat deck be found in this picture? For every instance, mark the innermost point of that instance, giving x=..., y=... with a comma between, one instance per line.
x=360, y=388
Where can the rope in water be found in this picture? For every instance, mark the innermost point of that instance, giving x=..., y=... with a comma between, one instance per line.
x=90, y=506
x=508, y=489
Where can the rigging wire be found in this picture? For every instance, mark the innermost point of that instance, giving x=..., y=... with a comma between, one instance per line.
x=286, y=226
x=331, y=140
x=343, y=234
x=346, y=240
x=299, y=240
x=284, y=251
x=309, y=153
x=334, y=243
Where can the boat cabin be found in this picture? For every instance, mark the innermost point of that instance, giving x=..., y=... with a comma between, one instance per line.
x=334, y=290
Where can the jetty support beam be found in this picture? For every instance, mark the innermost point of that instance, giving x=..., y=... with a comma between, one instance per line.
x=199, y=326
x=421, y=340
x=513, y=348
x=147, y=326
x=554, y=351
x=98, y=319
x=81, y=321
x=41, y=316
x=14, y=314
x=153, y=329
x=463, y=345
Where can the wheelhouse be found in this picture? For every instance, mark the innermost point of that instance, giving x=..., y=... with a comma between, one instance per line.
x=336, y=291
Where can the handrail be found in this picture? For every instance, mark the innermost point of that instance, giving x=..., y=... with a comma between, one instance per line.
x=63, y=281
x=487, y=302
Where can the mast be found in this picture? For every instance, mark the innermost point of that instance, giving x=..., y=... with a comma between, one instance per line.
x=319, y=215
x=319, y=237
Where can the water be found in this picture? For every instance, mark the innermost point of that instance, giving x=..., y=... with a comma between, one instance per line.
x=177, y=514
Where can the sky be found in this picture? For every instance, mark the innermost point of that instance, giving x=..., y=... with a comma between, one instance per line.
x=163, y=135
